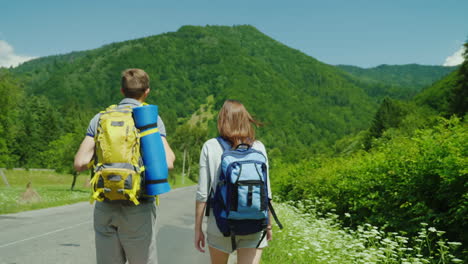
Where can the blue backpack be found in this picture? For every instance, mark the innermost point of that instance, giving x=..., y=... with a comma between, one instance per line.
x=240, y=199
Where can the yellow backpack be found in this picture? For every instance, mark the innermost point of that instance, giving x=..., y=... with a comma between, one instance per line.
x=118, y=166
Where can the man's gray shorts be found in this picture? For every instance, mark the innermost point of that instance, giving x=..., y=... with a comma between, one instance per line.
x=125, y=232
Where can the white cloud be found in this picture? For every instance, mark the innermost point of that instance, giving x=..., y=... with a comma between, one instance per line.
x=8, y=57
x=456, y=58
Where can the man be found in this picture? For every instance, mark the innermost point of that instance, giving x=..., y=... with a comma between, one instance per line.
x=124, y=231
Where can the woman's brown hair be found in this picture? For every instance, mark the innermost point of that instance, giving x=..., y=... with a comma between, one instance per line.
x=235, y=123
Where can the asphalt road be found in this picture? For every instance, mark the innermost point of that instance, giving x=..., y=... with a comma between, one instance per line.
x=65, y=234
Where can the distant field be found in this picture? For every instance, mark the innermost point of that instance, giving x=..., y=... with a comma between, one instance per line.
x=52, y=187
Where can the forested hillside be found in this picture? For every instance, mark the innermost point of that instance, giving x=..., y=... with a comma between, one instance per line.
x=33, y=131
x=398, y=81
x=305, y=105
x=449, y=95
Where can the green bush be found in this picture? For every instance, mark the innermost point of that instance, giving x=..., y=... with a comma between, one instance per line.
x=400, y=183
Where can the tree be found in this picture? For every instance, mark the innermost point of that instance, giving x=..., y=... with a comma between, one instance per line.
x=60, y=154
x=390, y=114
x=189, y=139
x=11, y=94
x=41, y=124
x=459, y=100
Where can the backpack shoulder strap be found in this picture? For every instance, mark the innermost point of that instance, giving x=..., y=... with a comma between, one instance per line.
x=270, y=206
x=208, y=203
x=224, y=144
x=109, y=108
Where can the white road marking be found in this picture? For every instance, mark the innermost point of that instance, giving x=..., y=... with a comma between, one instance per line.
x=45, y=234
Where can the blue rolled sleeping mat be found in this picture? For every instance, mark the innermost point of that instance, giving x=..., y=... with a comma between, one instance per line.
x=152, y=150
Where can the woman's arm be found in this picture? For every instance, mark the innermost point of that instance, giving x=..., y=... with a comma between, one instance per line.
x=204, y=185
x=199, y=236
x=269, y=227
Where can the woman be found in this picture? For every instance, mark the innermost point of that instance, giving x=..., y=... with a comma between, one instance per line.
x=235, y=126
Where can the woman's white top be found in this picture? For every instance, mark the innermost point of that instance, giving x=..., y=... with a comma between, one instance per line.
x=210, y=169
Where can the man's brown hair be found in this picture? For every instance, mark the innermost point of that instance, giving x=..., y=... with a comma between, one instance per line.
x=235, y=123
x=134, y=83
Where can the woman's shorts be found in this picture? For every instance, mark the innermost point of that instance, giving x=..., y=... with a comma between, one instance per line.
x=224, y=243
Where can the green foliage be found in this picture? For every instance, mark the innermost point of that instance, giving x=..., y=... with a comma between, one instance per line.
x=11, y=96
x=401, y=182
x=306, y=105
x=33, y=131
x=438, y=96
x=389, y=114
x=60, y=153
x=40, y=124
x=352, y=143
x=188, y=139
x=459, y=98
x=397, y=81
x=450, y=95
x=393, y=116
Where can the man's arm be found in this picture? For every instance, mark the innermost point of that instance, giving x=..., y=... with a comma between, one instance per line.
x=85, y=154
x=170, y=156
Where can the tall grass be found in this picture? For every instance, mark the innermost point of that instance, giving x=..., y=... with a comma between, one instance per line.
x=314, y=238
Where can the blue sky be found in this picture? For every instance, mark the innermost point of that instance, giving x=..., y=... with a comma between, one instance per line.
x=358, y=32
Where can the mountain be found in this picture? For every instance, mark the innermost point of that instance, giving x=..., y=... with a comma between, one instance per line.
x=439, y=95
x=398, y=81
x=304, y=104
x=449, y=95
x=301, y=101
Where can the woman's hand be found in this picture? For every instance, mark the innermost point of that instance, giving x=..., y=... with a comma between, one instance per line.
x=269, y=234
x=200, y=240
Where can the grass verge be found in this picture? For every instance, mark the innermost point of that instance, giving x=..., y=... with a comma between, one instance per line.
x=53, y=189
